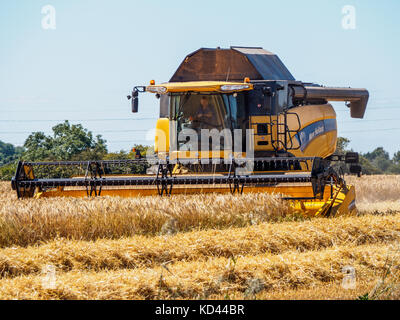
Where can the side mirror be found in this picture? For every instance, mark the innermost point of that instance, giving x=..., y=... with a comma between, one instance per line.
x=135, y=104
x=135, y=101
x=135, y=98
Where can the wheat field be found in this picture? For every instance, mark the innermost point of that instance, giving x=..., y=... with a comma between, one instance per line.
x=248, y=246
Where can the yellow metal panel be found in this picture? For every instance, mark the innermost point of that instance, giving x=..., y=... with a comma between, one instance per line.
x=221, y=154
x=254, y=121
x=312, y=113
x=343, y=203
x=322, y=145
x=288, y=191
x=161, y=143
x=198, y=86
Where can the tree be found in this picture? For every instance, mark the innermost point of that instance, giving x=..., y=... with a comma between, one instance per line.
x=377, y=153
x=380, y=159
x=8, y=157
x=396, y=157
x=375, y=162
x=395, y=167
x=341, y=145
x=9, y=153
x=368, y=167
x=68, y=142
x=123, y=155
x=341, y=148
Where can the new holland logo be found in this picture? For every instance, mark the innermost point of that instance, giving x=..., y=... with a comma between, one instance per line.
x=312, y=131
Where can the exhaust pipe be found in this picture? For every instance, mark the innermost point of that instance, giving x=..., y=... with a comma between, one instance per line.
x=357, y=98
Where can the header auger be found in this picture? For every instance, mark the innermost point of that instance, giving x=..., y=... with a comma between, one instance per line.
x=231, y=121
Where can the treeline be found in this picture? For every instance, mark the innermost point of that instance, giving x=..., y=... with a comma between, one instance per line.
x=68, y=142
x=376, y=162
x=73, y=142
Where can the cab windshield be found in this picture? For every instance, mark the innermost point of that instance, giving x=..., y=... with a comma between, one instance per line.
x=207, y=111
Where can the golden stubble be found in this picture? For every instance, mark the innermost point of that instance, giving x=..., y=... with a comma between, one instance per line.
x=189, y=247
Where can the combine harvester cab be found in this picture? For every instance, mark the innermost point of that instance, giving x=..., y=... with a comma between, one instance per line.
x=231, y=120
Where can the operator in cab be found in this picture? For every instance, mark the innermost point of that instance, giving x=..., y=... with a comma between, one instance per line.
x=204, y=116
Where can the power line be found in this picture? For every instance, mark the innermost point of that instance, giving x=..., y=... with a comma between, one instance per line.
x=134, y=141
x=147, y=130
x=48, y=132
x=140, y=119
x=86, y=120
x=154, y=118
x=369, y=130
x=362, y=120
x=382, y=108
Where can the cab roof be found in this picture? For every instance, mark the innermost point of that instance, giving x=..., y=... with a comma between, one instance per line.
x=232, y=64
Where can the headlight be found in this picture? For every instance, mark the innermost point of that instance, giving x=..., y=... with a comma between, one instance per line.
x=233, y=87
x=157, y=89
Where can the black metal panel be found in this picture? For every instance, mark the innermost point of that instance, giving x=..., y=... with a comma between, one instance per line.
x=357, y=98
x=178, y=180
x=266, y=63
x=259, y=104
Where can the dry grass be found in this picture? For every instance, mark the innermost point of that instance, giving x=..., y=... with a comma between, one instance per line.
x=214, y=278
x=377, y=194
x=190, y=247
x=330, y=291
x=149, y=252
x=376, y=188
x=30, y=221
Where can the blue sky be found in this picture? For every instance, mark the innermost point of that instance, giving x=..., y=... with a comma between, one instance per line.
x=83, y=70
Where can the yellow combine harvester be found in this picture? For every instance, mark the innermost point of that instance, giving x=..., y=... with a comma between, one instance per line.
x=231, y=120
